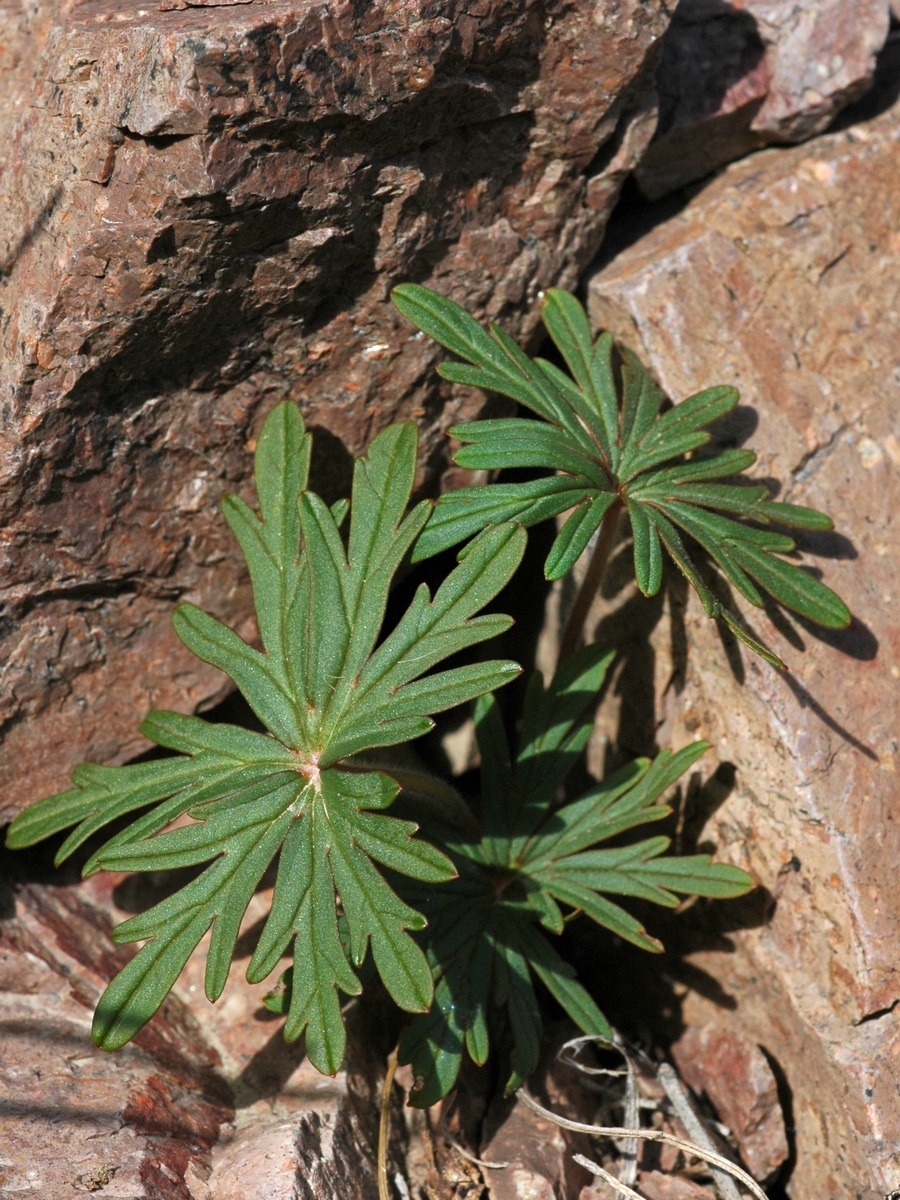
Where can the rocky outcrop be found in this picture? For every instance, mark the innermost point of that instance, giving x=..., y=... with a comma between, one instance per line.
x=733, y=1073
x=208, y=1103
x=205, y=210
x=73, y=1119
x=205, y=207
x=780, y=278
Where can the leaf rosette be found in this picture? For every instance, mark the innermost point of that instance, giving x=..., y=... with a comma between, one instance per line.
x=328, y=684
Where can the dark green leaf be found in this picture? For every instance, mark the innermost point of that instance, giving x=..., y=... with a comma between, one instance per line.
x=464, y=513
x=573, y=538
x=608, y=412
x=647, y=550
x=326, y=684
x=516, y=443
x=485, y=936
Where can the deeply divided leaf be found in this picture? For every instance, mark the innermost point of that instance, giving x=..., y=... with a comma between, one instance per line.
x=606, y=442
x=536, y=863
x=327, y=683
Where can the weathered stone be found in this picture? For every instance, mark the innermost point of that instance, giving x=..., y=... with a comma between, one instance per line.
x=308, y=1157
x=657, y=1186
x=780, y=277
x=733, y=1073
x=208, y=1103
x=532, y=1157
x=72, y=1118
x=204, y=211
x=737, y=76
x=820, y=57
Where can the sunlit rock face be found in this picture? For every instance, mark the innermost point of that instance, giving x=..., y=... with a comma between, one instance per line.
x=205, y=208
x=780, y=277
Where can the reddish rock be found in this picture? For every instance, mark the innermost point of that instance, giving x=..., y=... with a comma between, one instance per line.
x=537, y=1153
x=820, y=57
x=713, y=80
x=208, y=1103
x=780, y=277
x=737, y=76
x=74, y=1119
x=204, y=211
x=734, y=1074
x=657, y=1186
x=324, y=1151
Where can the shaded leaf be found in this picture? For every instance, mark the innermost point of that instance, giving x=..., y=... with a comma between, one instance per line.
x=486, y=938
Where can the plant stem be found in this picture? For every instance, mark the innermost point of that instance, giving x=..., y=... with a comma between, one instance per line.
x=606, y=538
x=384, y=1191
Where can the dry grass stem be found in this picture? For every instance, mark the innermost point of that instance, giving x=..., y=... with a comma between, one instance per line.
x=595, y=1169
x=649, y=1135
x=693, y=1123
x=384, y=1192
x=630, y=1101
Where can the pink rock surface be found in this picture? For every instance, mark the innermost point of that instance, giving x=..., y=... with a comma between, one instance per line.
x=657, y=1186
x=72, y=1118
x=780, y=277
x=734, y=1074
x=537, y=1154
x=204, y=210
x=208, y=1102
x=736, y=76
x=820, y=57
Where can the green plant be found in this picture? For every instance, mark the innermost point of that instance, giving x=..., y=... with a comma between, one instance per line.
x=532, y=856
x=453, y=918
x=608, y=448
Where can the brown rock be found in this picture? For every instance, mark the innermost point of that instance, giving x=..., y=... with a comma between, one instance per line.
x=737, y=76
x=820, y=58
x=208, y=1103
x=780, y=277
x=204, y=210
x=537, y=1153
x=325, y=1151
x=733, y=1073
x=713, y=80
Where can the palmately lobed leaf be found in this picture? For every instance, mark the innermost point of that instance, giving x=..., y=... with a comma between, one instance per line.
x=607, y=445
x=538, y=863
x=326, y=684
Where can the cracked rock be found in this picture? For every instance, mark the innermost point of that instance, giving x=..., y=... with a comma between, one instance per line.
x=738, y=76
x=207, y=1103
x=131, y=1124
x=780, y=277
x=734, y=1074
x=205, y=209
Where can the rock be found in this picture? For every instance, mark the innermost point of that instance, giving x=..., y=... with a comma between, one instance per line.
x=131, y=1123
x=780, y=277
x=820, y=58
x=208, y=1102
x=713, y=80
x=311, y=1156
x=657, y=1186
x=205, y=208
x=532, y=1157
x=733, y=1073
x=737, y=76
